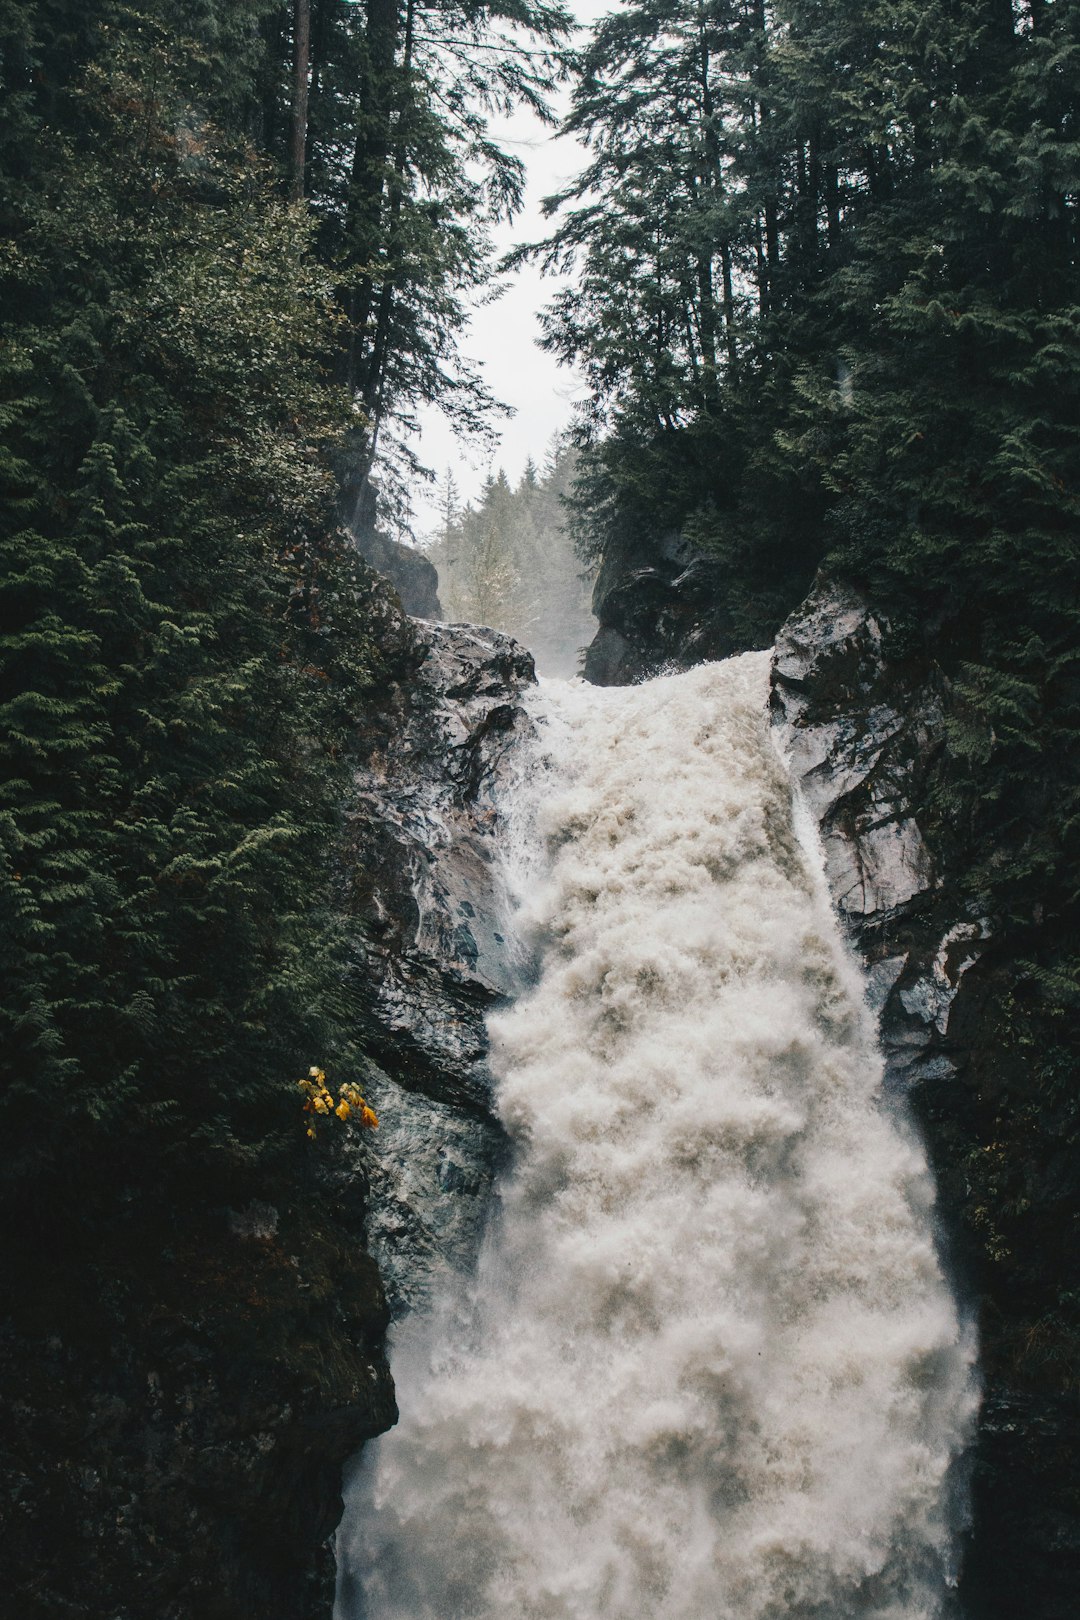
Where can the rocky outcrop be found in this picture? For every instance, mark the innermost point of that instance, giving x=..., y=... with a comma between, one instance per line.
x=860, y=736
x=415, y=579
x=658, y=606
x=174, y=1443
x=431, y=950
x=863, y=732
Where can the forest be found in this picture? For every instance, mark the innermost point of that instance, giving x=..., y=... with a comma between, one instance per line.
x=509, y=560
x=825, y=297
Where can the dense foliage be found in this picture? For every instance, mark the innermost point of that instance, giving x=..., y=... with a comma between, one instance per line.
x=829, y=307
x=197, y=343
x=186, y=353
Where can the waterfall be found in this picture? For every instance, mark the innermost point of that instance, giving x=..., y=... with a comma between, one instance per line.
x=710, y=1368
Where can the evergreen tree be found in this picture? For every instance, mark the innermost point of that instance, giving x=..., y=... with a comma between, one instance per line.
x=169, y=653
x=187, y=644
x=182, y=622
x=406, y=178
x=509, y=562
x=892, y=379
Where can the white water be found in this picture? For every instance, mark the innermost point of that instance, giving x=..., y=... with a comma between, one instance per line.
x=711, y=1370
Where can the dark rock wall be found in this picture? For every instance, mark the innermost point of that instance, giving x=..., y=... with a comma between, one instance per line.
x=181, y=1403
x=862, y=732
x=661, y=606
x=415, y=579
x=412, y=576
x=185, y=1394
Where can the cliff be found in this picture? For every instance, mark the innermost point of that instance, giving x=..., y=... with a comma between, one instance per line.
x=863, y=733
x=661, y=605
x=429, y=961
x=863, y=716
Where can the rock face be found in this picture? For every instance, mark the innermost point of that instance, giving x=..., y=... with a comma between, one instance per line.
x=175, y=1443
x=861, y=733
x=859, y=736
x=656, y=607
x=410, y=573
x=413, y=577
x=431, y=948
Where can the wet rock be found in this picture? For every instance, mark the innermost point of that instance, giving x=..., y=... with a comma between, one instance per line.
x=1025, y=1451
x=658, y=606
x=430, y=1168
x=175, y=1449
x=860, y=734
x=431, y=956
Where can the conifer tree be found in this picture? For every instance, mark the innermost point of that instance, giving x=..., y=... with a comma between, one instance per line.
x=509, y=561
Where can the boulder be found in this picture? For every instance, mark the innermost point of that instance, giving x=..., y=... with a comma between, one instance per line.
x=658, y=607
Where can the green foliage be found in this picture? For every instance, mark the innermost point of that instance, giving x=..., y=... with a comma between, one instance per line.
x=829, y=309
x=186, y=643
x=827, y=296
x=186, y=360
x=406, y=177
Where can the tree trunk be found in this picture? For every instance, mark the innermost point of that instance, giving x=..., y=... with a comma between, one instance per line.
x=367, y=187
x=832, y=203
x=301, y=75
x=729, y=313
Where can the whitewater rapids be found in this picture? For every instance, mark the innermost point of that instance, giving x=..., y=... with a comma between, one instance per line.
x=710, y=1368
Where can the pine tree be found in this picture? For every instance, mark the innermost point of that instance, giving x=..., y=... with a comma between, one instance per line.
x=509, y=561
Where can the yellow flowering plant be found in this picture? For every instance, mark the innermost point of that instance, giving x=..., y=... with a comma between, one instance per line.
x=319, y=1099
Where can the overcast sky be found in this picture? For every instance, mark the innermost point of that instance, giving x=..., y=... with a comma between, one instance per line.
x=502, y=336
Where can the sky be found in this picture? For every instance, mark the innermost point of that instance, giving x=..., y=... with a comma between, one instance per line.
x=502, y=335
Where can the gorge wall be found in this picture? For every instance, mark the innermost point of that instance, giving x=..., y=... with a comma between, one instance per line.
x=189, y=1381
x=220, y=1419
x=862, y=731
x=430, y=961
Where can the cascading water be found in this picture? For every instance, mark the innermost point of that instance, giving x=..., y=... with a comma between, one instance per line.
x=710, y=1369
